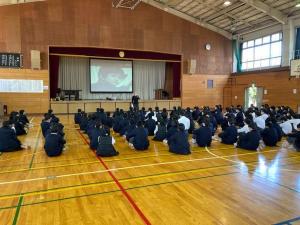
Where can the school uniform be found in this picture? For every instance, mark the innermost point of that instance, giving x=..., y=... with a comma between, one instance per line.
x=83, y=123
x=105, y=146
x=123, y=126
x=229, y=136
x=19, y=128
x=203, y=136
x=23, y=119
x=269, y=136
x=245, y=129
x=239, y=118
x=279, y=131
x=296, y=140
x=139, y=138
x=260, y=122
x=54, y=144
x=249, y=141
x=45, y=127
x=179, y=144
x=170, y=132
x=77, y=118
x=286, y=127
x=8, y=140
x=150, y=126
x=94, y=135
x=186, y=122
x=160, y=133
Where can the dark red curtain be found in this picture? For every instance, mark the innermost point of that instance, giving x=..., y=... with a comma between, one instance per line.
x=53, y=74
x=176, y=79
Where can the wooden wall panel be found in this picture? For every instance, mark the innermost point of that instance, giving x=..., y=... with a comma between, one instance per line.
x=35, y=26
x=196, y=92
x=30, y=102
x=277, y=83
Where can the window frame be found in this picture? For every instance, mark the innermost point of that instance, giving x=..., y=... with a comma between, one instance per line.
x=262, y=59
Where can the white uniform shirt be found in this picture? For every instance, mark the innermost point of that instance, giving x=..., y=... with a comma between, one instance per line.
x=244, y=129
x=185, y=121
x=260, y=122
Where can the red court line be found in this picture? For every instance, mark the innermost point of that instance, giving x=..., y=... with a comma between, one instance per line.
x=124, y=192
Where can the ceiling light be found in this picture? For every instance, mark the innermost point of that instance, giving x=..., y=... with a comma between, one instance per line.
x=297, y=4
x=227, y=3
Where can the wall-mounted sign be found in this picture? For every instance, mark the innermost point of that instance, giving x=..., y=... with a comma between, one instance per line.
x=11, y=60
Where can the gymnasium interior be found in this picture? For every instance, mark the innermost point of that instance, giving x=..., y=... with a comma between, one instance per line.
x=131, y=58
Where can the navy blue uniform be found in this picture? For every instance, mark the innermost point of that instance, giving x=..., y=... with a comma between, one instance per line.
x=296, y=140
x=8, y=140
x=45, y=127
x=269, y=136
x=77, y=118
x=161, y=133
x=229, y=136
x=279, y=131
x=140, y=138
x=249, y=141
x=54, y=144
x=150, y=126
x=179, y=144
x=105, y=147
x=203, y=136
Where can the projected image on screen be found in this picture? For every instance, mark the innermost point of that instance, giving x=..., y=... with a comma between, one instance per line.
x=110, y=75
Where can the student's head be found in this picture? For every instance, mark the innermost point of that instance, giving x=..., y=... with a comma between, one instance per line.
x=6, y=123
x=47, y=117
x=181, y=127
x=248, y=121
x=98, y=124
x=50, y=111
x=252, y=126
x=22, y=112
x=98, y=110
x=54, y=128
x=139, y=124
x=79, y=110
x=298, y=127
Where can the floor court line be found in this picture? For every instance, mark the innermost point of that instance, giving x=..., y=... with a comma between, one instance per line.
x=97, y=184
x=264, y=178
x=119, y=169
x=131, y=188
x=124, y=192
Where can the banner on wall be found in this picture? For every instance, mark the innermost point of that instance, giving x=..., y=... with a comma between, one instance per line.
x=21, y=86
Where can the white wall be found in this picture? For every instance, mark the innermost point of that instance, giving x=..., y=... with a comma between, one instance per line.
x=289, y=34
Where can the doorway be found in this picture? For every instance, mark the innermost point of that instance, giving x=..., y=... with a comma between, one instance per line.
x=253, y=96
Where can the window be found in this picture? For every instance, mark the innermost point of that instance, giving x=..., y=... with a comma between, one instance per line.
x=210, y=83
x=262, y=52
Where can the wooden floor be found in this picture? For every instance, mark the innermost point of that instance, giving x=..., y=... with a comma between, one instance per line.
x=219, y=185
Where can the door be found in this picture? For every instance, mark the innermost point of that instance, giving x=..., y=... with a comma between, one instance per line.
x=253, y=96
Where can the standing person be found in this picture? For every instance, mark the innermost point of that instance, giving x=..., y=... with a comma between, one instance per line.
x=135, y=101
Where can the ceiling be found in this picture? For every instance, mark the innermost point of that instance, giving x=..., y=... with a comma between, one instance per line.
x=241, y=16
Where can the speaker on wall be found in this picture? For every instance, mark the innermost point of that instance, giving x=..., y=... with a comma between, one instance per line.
x=192, y=64
x=35, y=59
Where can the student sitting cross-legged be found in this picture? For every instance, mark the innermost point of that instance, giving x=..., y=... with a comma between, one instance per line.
x=203, y=135
x=294, y=139
x=179, y=143
x=106, y=145
x=8, y=139
x=54, y=142
x=249, y=140
x=269, y=135
x=138, y=138
x=160, y=132
x=96, y=132
x=229, y=135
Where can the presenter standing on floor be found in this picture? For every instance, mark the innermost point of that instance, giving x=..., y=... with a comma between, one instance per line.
x=135, y=101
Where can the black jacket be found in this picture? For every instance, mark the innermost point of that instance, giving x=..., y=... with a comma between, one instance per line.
x=8, y=140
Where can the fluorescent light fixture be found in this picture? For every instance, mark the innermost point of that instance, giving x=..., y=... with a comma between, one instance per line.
x=227, y=3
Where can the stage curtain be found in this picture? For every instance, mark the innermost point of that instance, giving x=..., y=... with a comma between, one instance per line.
x=54, y=74
x=147, y=77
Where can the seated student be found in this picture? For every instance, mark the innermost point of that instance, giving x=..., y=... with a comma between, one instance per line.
x=259, y=120
x=277, y=128
x=23, y=118
x=95, y=133
x=45, y=125
x=131, y=126
x=105, y=146
x=249, y=140
x=124, y=122
x=84, y=122
x=108, y=120
x=138, y=138
x=171, y=129
x=203, y=135
x=294, y=139
x=54, y=142
x=77, y=116
x=160, y=132
x=17, y=124
x=229, y=135
x=8, y=139
x=179, y=143
x=245, y=128
x=269, y=135
x=150, y=124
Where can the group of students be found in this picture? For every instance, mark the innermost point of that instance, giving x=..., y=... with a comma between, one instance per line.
x=17, y=124
x=250, y=129
x=53, y=132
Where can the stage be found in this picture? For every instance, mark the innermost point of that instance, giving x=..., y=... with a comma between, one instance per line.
x=69, y=107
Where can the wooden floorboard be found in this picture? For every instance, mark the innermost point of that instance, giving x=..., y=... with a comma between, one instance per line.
x=218, y=185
